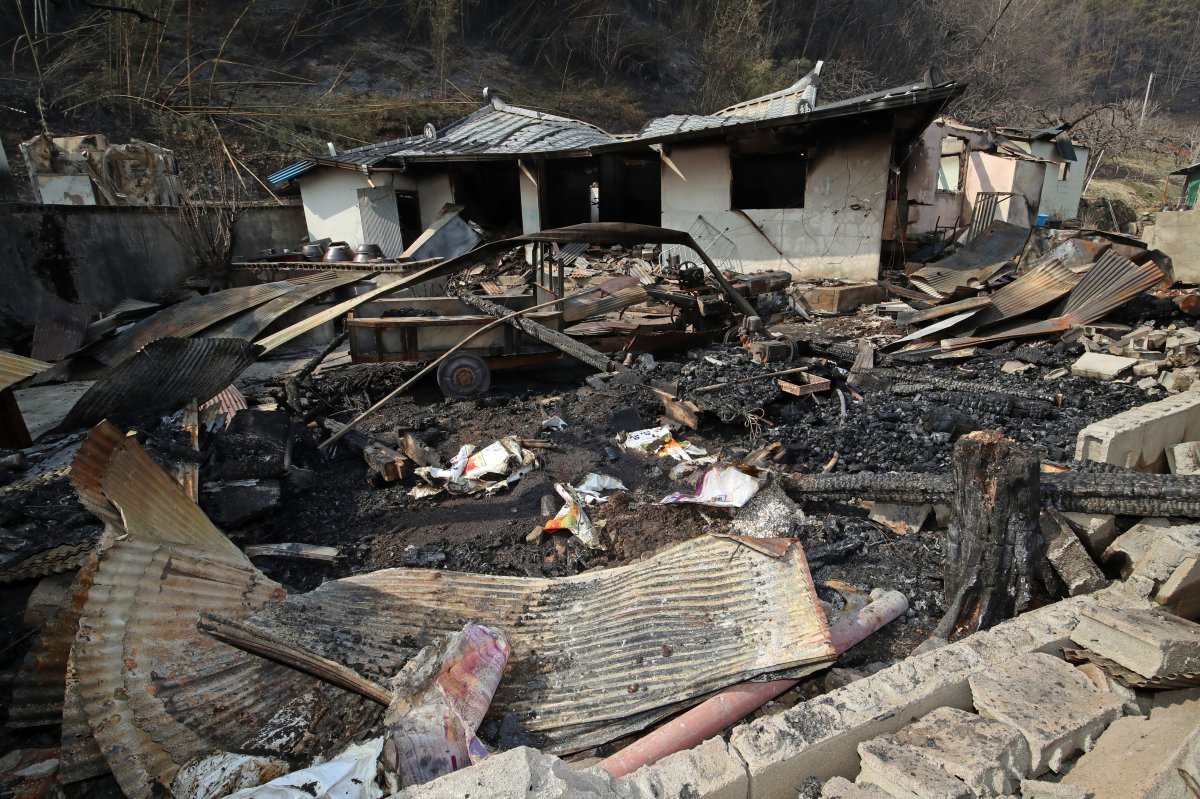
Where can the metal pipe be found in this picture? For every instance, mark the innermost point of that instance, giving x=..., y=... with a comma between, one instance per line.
x=735, y=703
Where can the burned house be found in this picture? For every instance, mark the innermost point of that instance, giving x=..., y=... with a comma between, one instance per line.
x=88, y=170
x=1176, y=228
x=778, y=182
x=960, y=174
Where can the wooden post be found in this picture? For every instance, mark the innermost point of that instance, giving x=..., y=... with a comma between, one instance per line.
x=994, y=545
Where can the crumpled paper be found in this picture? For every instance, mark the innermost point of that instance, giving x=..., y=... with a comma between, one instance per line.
x=659, y=442
x=572, y=515
x=350, y=775
x=722, y=487
x=504, y=462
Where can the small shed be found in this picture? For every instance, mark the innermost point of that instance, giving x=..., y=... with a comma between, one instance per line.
x=1191, y=185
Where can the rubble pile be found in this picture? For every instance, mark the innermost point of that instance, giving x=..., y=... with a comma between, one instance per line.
x=712, y=535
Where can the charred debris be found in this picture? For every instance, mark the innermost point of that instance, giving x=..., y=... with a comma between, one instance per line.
x=350, y=528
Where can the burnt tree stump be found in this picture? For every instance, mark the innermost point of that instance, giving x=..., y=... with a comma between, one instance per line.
x=994, y=546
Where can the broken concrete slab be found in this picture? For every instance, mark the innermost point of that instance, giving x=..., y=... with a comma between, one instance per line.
x=1146, y=758
x=989, y=756
x=1101, y=366
x=902, y=519
x=1057, y=709
x=1137, y=438
x=1152, y=643
x=906, y=772
x=1097, y=530
x=1184, y=458
x=842, y=788
x=1041, y=789
x=708, y=770
x=522, y=772
x=1067, y=556
x=1166, y=560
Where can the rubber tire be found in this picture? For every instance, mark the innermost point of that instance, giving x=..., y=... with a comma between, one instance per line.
x=463, y=375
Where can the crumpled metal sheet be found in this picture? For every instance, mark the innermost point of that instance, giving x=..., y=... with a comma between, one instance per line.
x=188, y=318
x=152, y=690
x=1112, y=282
x=248, y=324
x=59, y=328
x=14, y=368
x=1040, y=286
x=594, y=656
x=163, y=376
x=976, y=263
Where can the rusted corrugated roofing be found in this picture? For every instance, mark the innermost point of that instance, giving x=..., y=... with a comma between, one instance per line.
x=248, y=324
x=59, y=328
x=974, y=264
x=163, y=376
x=1039, y=286
x=14, y=369
x=188, y=318
x=1112, y=282
x=689, y=621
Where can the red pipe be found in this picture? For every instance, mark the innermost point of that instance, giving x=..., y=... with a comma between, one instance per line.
x=736, y=702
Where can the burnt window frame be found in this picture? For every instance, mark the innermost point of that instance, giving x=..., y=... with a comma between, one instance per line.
x=772, y=164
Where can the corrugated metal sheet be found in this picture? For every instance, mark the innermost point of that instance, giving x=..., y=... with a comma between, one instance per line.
x=152, y=689
x=594, y=656
x=291, y=171
x=59, y=328
x=381, y=219
x=975, y=263
x=248, y=324
x=1040, y=286
x=162, y=376
x=188, y=318
x=14, y=368
x=1112, y=282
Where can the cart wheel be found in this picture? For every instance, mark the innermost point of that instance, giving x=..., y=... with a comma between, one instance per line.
x=463, y=375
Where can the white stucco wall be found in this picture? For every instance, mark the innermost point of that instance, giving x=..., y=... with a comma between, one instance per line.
x=1177, y=233
x=433, y=192
x=531, y=214
x=330, y=198
x=828, y=238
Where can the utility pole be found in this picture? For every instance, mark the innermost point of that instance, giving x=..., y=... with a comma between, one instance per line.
x=1146, y=99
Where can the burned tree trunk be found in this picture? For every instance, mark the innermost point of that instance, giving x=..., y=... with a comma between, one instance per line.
x=994, y=546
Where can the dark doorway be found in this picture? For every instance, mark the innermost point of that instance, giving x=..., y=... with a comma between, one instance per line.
x=409, y=211
x=631, y=189
x=489, y=193
x=566, y=191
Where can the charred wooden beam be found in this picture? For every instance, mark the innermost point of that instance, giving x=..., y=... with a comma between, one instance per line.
x=381, y=459
x=1121, y=492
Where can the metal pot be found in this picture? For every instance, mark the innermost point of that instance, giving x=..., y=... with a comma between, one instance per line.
x=373, y=250
x=312, y=252
x=338, y=253
x=364, y=258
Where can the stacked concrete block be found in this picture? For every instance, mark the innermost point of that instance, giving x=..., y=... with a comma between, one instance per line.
x=1152, y=643
x=1058, y=710
x=988, y=756
x=1138, y=438
x=905, y=772
x=842, y=788
x=1068, y=557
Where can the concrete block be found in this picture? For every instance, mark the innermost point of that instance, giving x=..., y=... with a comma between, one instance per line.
x=1133, y=544
x=842, y=788
x=1184, y=458
x=1178, y=380
x=905, y=772
x=1142, y=758
x=708, y=771
x=989, y=756
x=1152, y=643
x=1040, y=789
x=1067, y=556
x=1169, y=558
x=1057, y=709
x=1146, y=368
x=1097, y=530
x=1180, y=593
x=520, y=773
x=903, y=519
x=819, y=738
x=1138, y=438
x=1101, y=366
x=839, y=299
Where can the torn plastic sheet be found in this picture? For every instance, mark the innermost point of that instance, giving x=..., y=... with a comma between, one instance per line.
x=351, y=775
x=505, y=459
x=658, y=441
x=439, y=700
x=574, y=518
x=554, y=423
x=592, y=489
x=723, y=487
